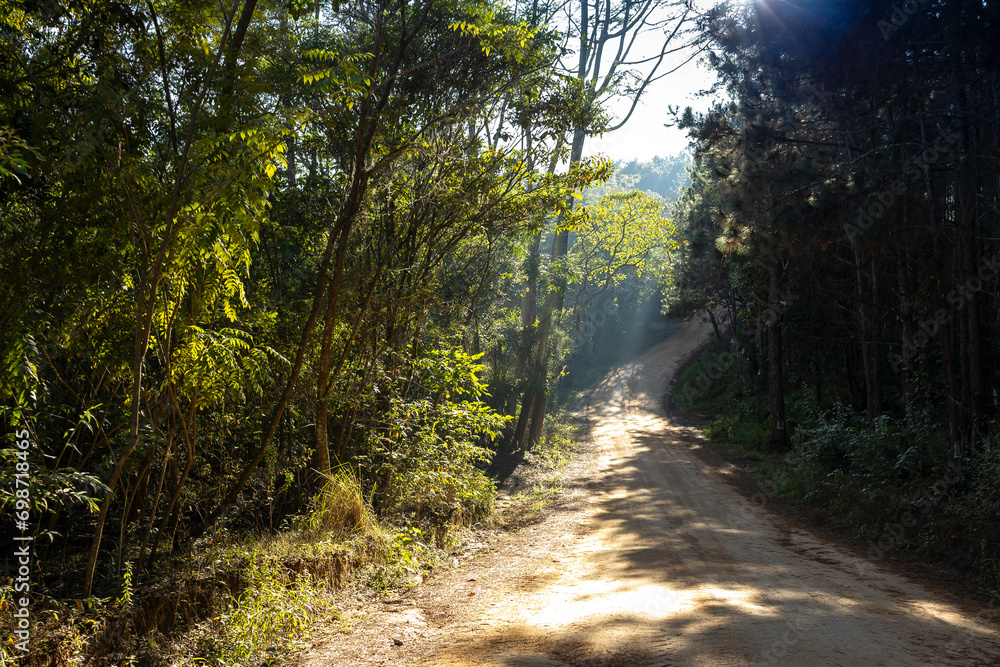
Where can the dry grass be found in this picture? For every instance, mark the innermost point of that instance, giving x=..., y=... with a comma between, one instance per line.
x=340, y=507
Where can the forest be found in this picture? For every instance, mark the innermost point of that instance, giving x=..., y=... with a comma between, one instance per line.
x=313, y=271
x=843, y=216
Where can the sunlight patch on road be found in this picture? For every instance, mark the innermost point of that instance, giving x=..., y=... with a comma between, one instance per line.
x=587, y=601
x=949, y=615
x=741, y=599
x=583, y=602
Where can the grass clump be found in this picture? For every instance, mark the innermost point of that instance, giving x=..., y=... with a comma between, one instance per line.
x=289, y=583
x=339, y=507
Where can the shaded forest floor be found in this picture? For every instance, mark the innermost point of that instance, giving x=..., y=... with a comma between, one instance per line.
x=741, y=472
x=928, y=540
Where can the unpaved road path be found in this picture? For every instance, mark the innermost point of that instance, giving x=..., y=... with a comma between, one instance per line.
x=651, y=558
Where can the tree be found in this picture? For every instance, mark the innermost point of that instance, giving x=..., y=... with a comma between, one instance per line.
x=835, y=163
x=606, y=31
x=615, y=240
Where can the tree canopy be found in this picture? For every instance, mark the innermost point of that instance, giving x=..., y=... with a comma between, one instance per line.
x=246, y=246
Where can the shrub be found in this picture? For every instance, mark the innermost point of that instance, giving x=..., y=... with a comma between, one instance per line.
x=426, y=455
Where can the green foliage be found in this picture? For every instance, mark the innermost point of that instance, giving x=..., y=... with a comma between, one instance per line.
x=510, y=39
x=883, y=481
x=864, y=473
x=715, y=385
x=13, y=155
x=20, y=379
x=701, y=277
x=125, y=600
x=215, y=366
x=277, y=612
x=229, y=241
x=426, y=456
x=447, y=372
x=984, y=500
x=340, y=78
x=408, y=555
x=49, y=487
x=617, y=234
x=559, y=441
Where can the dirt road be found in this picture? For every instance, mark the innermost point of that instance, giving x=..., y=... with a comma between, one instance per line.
x=651, y=559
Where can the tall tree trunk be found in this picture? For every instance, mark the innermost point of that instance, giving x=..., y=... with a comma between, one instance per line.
x=904, y=364
x=537, y=425
x=951, y=389
x=529, y=338
x=156, y=498
x=553, y=304
x=775, y=375
x=942, y=275
x=715, y=327
x=321, y=454
x=523, y=419
x=869, y=330
x=734, y=321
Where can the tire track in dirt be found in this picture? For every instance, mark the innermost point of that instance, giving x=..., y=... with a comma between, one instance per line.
x=649, y=560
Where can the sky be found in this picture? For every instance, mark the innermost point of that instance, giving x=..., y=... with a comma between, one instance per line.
x=645, y=136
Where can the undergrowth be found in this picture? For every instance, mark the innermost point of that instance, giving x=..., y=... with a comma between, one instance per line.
x=276, y=613
x=237, y=603
x=293, y=580
x=539, y=481
x=889, y=482
x=256, y=600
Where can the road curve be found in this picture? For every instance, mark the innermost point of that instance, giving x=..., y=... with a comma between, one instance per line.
x=659, y=562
